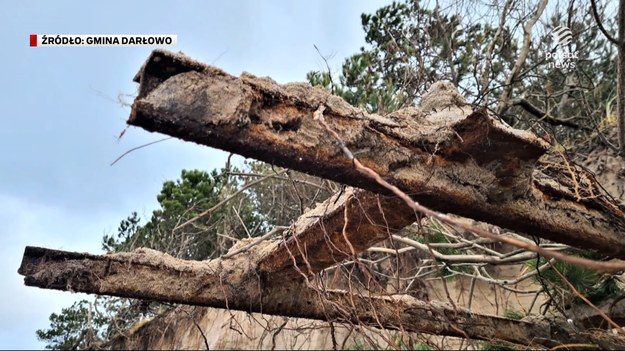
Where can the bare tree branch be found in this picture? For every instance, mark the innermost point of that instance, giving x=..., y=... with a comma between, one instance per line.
x=620, y=80
x=543, y=116
x=504, y=100
x=488, y=58
x=599, y=21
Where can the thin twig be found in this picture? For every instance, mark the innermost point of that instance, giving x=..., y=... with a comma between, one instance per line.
x=139, y=147
x=256, y=242
x=595, y=14
x=599, y=311
x=249, y=185
x=328, y=67
x=236, y=213
x=195, y=323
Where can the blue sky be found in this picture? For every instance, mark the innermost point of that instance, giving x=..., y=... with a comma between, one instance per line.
x=60, y=118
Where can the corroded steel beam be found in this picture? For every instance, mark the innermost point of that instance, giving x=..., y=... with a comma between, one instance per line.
x=446, y=155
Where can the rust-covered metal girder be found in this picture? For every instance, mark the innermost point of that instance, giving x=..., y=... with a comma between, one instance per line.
x=234, y=283
x=447, y=156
